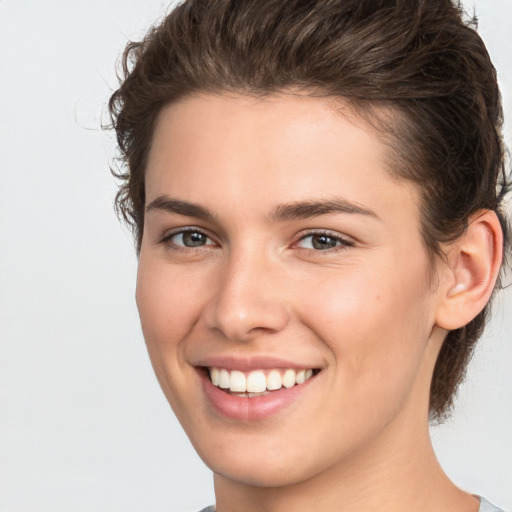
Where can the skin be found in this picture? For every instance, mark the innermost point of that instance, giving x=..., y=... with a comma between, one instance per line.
x=364, y=310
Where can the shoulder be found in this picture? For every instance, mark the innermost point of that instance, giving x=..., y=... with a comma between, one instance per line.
x=211, y=508
x=485, y=506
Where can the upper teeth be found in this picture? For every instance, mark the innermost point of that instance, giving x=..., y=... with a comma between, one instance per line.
x=258, y=381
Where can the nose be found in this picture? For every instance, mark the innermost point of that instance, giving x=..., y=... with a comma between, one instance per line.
x=247, y=301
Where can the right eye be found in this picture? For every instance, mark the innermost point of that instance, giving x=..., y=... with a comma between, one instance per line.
x=189, y=238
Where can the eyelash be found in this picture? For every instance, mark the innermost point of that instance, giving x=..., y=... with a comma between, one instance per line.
x=167, y=239
x=341, y=243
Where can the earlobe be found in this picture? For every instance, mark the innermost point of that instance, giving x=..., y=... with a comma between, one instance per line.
x=474, y=262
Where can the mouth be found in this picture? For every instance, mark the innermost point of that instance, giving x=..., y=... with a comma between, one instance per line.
x=256, y=388
x=258, y=383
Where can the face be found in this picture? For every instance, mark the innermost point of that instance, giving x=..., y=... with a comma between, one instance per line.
x=281, y=260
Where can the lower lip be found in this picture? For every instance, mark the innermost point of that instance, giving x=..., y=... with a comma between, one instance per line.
x=255, y=408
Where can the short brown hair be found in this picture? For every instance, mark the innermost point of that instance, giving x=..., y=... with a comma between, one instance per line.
x=416, y=58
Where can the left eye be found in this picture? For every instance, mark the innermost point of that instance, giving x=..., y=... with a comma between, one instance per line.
x=189, y=238
x=321, y=241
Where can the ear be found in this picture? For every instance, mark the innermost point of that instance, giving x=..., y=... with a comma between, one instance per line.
x=473, y=264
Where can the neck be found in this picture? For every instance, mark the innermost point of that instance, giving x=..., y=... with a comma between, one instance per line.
x=378, y=481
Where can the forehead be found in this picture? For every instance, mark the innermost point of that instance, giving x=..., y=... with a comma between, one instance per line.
x=234, y=119
x=277, y=149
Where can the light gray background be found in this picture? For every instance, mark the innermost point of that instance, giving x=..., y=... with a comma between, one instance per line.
x=83, y=424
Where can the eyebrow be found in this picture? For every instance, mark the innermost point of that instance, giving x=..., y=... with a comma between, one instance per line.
x=282, y=212
x=308, y=209
x=185, y=208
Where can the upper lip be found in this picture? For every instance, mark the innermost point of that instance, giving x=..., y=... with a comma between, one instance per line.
x=249, y=363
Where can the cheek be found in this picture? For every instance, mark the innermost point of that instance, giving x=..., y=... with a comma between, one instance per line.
x=168, y=300
x=376, y=325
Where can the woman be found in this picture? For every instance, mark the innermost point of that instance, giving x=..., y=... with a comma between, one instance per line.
x=316, y=192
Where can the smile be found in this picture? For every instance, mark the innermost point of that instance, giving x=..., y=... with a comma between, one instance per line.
x=258, y=382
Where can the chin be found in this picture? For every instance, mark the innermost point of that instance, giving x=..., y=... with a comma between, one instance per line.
x=263, y=460
x=267, y=474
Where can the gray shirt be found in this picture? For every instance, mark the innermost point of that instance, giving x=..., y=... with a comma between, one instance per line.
x=485, y=506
